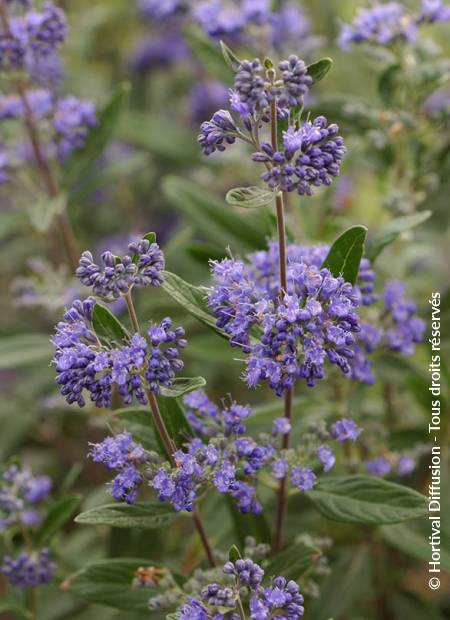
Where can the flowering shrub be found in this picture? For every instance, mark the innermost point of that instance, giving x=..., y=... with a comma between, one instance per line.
x=301, y=457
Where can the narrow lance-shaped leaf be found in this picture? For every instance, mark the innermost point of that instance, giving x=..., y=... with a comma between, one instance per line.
x=176, y=423
x=294, y=561
x=80, y=161
x=107, y=327
x=230, y=57
x=345, y=254
x=58, y=515
x=110, y=583
x=391, y=231
x=191, y=298
x=364, y=499
x=234, y=554
x=141, y=515
x=183, y=385
x=250, y=197
x=318, y=70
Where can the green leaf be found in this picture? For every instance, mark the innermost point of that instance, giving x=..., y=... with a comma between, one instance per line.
x=208, y=53
x=150, y=237
x=413, y=542
x=294, y=561
x=364, y=499
x=204, y=252
x=166, y=139
x=391, y=231
x=58, y=515
x=248, y=524
x=141, y=515
x=191, y=298
x=108, y=329
x=318, y=70
x=81, y=160
x=109, y=582
x=211, y=217
x=183, y=385
x=388, y=84
x=349, y=581
x=25, y=350
x=138, y=422
x=345, y=254
x=230, y=57
x=175, y=420
x=249, y=197
x=234, y=554
x=41, y=213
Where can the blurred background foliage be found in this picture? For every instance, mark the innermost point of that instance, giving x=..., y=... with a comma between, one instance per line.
x=152, y=176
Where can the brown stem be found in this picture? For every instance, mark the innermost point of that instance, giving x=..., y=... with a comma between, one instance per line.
x=240, y=608
x=132, y=312
x=67, y=234
x=167, y=440
x=288, y=397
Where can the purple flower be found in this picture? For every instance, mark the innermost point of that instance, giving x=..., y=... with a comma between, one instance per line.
x=160, y=11
x=20, y=492
x=142, y=267
x=193, y=610
x=313, y=323
x=303, y=478
x=83, y=363
x=28, y=570
x=312, y=155
x=40, y=102
x=280, y=468
x=224, y=477
x=281, y=426
x=290, y=26
x=164, y=361
x=296, y=81
x=405, y=465
x=159, y=52
x=345, y=430
x=379, y=466
x=123, y=454
x=217, y=131
x=72, y=121
x=434, y=11
x=46, y=30
x=282, y=599
x=222, y=19
x=381, y=24
x=406, y=330
x=213, y=594
x=246, y=572
x=326, y=457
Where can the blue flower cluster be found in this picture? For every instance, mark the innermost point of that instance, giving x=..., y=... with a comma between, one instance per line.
x=312, y=155
x=73, y=119
x=29, y=42
x=83, y=363
x=28, y=570
x=383, y=24
x=399, y=464
x=280, y=599
x=20, y=495
x=244, y=300
x=228, y=462
x=142, y=267
x=29, y=37
x=121, y=453
x=222, y=457
x=406, y=329
x=288, y=340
